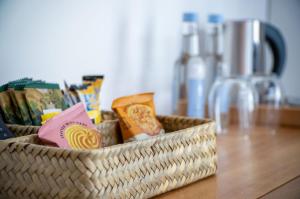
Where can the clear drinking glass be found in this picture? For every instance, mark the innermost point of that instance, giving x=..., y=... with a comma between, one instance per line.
x=270, y=99
x=232, y=101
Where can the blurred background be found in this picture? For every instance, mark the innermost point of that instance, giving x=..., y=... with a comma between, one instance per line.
x=134, y=43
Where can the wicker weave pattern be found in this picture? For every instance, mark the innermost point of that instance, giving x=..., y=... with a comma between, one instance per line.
x=132, y=170
x=21, y=130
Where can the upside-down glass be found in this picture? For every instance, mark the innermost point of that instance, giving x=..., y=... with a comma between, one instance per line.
x=232, y=101
x=270, y=99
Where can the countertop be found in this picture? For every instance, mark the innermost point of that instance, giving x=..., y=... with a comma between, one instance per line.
x=260, y=164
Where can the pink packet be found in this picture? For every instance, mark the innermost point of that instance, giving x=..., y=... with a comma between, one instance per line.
x=71, y=129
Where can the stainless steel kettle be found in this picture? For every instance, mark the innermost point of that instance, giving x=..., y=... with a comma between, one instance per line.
x=244, y=48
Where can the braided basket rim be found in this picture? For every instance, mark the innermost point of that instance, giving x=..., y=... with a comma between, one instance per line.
x=204, y=123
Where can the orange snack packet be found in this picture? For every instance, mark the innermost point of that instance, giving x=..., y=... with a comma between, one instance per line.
x=137, y=117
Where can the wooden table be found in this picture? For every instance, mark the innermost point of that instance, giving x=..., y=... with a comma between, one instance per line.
x=261, y=164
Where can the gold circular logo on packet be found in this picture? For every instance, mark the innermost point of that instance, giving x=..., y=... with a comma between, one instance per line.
x=144, y=117
x=80, y=137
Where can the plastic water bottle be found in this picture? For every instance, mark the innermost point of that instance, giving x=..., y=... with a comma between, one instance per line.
x=189, y=74
x=214, y=48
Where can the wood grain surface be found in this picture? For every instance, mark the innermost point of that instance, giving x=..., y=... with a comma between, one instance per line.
x=290, y=190
x=250, y=165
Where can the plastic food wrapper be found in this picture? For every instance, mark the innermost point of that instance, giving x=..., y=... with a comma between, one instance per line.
x=137, y=117
x=41, y=97
x=48, y=115
x=7, y=107
x=94, y=80
x=87, y=95
x=22, y=104
x=11, y=93
x=8, y=103
x=18, y=99
x=69, y=93
x=94, y=116
x=71, y=129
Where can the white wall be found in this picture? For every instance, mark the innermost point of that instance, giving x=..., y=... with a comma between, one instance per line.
x=133, y=42
x=286, y=16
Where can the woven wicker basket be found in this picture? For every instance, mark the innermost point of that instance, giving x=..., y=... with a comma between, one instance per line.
x=140, y=169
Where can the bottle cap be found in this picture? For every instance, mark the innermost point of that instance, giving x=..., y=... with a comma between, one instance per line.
x=190, y=17
x=215, y=18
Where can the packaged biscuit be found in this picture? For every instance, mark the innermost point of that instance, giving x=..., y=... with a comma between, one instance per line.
x=94, y=80
x=17, y=95
x=8, y=110
x=87, y=95
x=22, y=107
x=48, y=115
x=137, y=117
x=41, y=97
x=95, y=116
x=73, y=93
x=8, y=104
x=11, y=93
x=71, y=129
x=68, y=96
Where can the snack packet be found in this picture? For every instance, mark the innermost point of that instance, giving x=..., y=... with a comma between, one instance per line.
x=7, y=107
x=18, y=98
x=69, y=99
x=137, y=117
x=48, y=115
x=88, y=97
x=94, y=80
x=73, y=93
x=94, y=116
x=11, y=93
x=22, y=105
x=41, y=97
x=8, y=103
x=71, y=129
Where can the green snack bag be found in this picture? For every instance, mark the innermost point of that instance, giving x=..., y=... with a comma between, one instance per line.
x=20, y=100
x=7, y=107
x=41, y=97
x=19, y=108
x=16, y=108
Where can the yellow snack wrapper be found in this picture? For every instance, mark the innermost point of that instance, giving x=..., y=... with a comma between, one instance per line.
x=91, y=96
x=137, y=117
x=95, y=81
x=88, y=96
x=47, y=116
x=95, y=116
